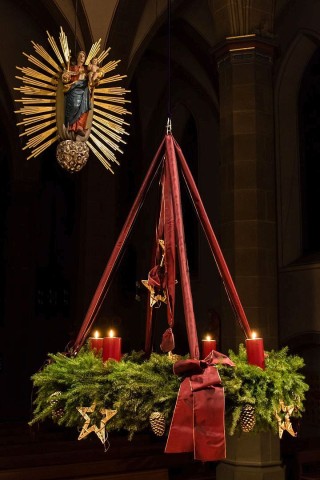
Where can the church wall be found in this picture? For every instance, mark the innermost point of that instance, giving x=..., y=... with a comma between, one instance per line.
x=299, y=275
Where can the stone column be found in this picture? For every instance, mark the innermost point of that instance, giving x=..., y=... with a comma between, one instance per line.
x=248, y=229
x=251, y=457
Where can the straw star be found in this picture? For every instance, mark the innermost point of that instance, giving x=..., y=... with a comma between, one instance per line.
x=285, y=424
x=154, y=297
x=87, y=428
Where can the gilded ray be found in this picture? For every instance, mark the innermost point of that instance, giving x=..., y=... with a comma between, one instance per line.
x=30, y=101
x=114, y=78
x=109, y=66
x=30, y=72
x=35, y=110
x=36, y=128
x=105, y=139
x=113, y=126
x=45, y=55
x=38, y=118
x=118, y=120
x=93, y=51
x=37, y=151
x=31, y=81
x=105, y=128
x=100, y=157
x=112, y=108
x=103, y=55
x=65, y=47
x=55, y=48
x=35, y=141
x=35, y=91
x=112, y=90
x=107, y=98
x=39, y=64
x=104, y=149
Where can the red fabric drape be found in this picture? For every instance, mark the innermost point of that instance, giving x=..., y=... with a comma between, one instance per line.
x=149, y=316
x=171, y=226
x=170, y=245
x=104, y=283
x=164, y=231
x=182, y=252
x=198, y=420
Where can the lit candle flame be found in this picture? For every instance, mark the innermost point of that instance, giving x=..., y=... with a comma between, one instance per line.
x=96, y=334
x=254, y=335
x=208, y=337
x=111, y=333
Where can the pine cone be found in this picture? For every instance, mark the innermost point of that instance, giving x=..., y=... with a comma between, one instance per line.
x=57, y=414
x=247, y=418
x=54, y=398
x=55, y=402
x=158, y=423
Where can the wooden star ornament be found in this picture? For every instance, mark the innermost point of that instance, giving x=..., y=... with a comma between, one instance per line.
x=87, y=428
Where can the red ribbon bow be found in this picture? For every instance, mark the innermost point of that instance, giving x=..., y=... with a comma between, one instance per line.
x=198, y=420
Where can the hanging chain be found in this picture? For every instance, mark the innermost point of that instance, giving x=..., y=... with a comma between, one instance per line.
x=169, y=125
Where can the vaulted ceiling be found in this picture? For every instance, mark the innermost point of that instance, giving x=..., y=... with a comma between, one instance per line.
x=128, y=27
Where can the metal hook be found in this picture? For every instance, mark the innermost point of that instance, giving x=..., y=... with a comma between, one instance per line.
x=169, y=126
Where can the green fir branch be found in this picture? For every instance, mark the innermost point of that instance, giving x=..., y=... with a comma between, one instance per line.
x=136, y=387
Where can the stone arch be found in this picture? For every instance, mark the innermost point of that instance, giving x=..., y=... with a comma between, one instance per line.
x=287, y=144
x=242, y=17
x=309, y=126
x=299, y=306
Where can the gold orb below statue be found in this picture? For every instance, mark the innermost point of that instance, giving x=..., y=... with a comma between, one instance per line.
x=71, y=155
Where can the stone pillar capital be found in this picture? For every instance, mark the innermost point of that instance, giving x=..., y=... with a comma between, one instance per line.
x=245, y=49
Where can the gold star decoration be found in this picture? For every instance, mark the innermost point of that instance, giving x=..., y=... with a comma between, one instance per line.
x=157, y=296
x=87, y=428
x=285, y=424
x=154, y=296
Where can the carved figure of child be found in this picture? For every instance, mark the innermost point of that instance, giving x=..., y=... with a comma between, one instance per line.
x=94, y=71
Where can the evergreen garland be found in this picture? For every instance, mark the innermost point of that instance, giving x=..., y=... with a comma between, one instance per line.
x=263, y=389
x=136, y=387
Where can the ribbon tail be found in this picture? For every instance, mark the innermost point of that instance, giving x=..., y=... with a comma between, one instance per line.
x=180, y=438
x=209, y=431
x=198, y=420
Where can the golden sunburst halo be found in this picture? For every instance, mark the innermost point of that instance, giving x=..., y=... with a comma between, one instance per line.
x=41, y=102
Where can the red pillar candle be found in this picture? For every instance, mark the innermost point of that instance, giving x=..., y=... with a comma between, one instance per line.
x=208, y=344
x=111, y=347
x=255, y=351
x=96, y=342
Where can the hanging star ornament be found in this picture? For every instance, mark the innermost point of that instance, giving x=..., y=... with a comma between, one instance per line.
x=285, y=423
x=155, y=282
x=74, y=102
x=99, y=431
x=155, y=296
